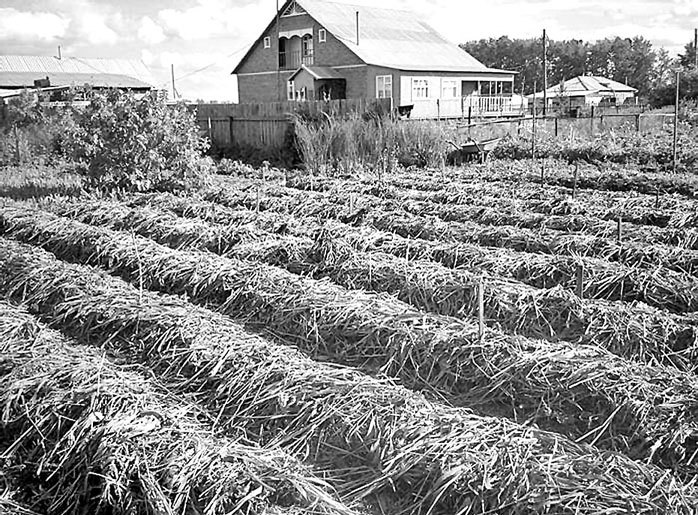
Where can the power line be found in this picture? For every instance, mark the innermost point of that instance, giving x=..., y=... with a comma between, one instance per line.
x=204, y=68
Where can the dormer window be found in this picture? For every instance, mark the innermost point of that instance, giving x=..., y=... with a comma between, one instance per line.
x=321, y=36
x=267, y=42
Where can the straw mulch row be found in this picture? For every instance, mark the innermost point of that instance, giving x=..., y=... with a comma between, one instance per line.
x=373, y=440
x=511, y=227
x=658, y=287
x=635, y=331
x=253, y=193
x=611, y=178
x=583, y=391
x=450, y=188
x=84, y=435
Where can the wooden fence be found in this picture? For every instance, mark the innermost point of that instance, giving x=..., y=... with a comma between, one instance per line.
x=568, y=127
x=264, y=126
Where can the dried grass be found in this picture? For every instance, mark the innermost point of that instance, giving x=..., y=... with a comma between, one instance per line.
x=584, y=391
x=373, y=439
x=635, y=331
x=91, y=436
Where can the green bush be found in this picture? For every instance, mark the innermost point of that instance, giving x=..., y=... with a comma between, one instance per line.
x=126, y=143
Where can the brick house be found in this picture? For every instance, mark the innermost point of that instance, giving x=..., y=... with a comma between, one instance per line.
x=324, y=50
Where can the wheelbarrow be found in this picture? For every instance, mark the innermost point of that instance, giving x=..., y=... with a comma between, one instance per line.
x=473, y=150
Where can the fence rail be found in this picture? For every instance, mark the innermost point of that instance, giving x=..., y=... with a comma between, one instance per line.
x=265, y=126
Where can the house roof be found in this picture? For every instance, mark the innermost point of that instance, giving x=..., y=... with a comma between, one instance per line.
x=318, y=72
x=390, y=38
x=20, y=71
x=585, y=85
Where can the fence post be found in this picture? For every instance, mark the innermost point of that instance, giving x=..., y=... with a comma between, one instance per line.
x=210, y=130
x=576, y=175
x=591, y=130
x=470, y=114
x=438, y=109
x=230, y=128
x=637, y=122
x=556, y=127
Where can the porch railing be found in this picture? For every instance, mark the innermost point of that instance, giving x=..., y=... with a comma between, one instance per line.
x=293, y=60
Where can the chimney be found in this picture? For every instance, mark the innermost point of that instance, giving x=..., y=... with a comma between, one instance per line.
x=59, y=52
x=357, y=28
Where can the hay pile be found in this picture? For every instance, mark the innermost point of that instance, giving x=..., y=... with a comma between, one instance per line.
x=582, y=391
x=375, y=441
x=89, y=436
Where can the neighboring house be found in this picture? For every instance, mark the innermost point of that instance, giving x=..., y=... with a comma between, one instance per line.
x=586, y=91
x=19, y=72
x=324, y=50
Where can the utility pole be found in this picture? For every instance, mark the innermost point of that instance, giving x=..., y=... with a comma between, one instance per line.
x=174, y=90
x=695, y=48
x=545, y=74
x=278, y=56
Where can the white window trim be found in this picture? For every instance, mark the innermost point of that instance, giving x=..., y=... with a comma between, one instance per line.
x=291, y=91
x=390, y=90
x=267, y=42
x=450, y=85
x=321, y=36
x=426, y=87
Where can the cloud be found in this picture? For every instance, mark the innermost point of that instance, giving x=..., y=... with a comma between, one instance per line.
x=150, y=32
x=215, y=18
x=31, y=26
x=93, y=28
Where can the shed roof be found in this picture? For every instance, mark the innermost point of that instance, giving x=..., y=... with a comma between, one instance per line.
x=391, y=38
x=22, y=70
x=585, y=85
x=317, y=72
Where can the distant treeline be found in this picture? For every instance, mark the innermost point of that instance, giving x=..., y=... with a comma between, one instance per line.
x=634, y=61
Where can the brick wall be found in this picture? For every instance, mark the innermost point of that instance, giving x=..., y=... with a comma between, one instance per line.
x=263, y=88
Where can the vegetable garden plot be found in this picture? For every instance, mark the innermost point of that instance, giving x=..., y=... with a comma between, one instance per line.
x=370, y=437
x=640, y=244
x=531, y=199
x=87, y=434
x=580, y=390
x=666, y=289
x=634, y=331
x=608, y=178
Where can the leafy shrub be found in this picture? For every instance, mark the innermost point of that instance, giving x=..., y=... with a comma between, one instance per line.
x=137, y=144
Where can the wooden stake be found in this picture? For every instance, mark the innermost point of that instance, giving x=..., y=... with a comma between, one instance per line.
x=620, y=230
x=576, y=175
x=580, y=281
x=656, y=199
x=676, y=119
x=257, y=203
x=18, y=150
x=481, y=309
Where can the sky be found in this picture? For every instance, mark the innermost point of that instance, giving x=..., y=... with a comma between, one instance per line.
x=204, y=39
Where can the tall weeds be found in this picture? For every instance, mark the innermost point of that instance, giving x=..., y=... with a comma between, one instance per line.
x=341, y=146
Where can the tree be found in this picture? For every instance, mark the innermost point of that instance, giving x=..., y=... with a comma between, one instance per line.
x=687, y=59
x=630, y=60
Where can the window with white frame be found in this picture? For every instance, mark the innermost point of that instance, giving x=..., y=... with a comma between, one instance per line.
x=420, y=88
x=267, y=42
x=449, y=88
x=290, y=90
x=384, y=86
x=321, y=35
